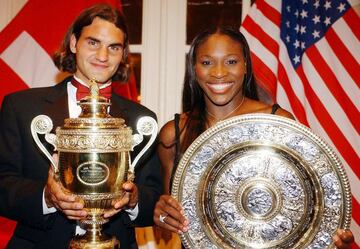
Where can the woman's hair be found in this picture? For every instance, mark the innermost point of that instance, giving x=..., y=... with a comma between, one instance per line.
x=65, y=60
x=193, y=100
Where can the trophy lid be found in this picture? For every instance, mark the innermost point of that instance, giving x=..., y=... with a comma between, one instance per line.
x=95, y=129
x=94, y=113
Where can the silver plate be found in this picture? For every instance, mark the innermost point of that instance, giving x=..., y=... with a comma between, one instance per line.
x=261, y=181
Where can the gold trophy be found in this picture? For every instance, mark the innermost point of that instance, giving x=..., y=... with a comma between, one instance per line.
x=94, y=160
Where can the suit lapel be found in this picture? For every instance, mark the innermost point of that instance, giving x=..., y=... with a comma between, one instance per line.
x=117, y=109
x=56, y=104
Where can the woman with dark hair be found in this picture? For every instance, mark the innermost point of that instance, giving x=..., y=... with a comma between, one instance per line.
x=228, y=77
x=218, y=85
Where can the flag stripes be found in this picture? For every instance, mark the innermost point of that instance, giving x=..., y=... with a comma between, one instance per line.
x=322, y=87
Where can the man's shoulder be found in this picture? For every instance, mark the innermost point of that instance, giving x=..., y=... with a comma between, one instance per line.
x=35, y=92
x=29, y=92
x=133, y=106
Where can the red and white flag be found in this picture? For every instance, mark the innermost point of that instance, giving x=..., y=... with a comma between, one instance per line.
x=29, y=40
x=306, y=56
x=26, y=46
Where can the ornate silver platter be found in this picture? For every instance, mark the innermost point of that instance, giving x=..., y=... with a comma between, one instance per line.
x=261, y=181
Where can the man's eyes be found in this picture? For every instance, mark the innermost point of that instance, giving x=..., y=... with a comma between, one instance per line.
x=115, y=48
x=96, y=44
x=93, y=43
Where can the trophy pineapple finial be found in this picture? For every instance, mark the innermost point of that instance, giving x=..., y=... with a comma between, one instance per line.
x=94, y=88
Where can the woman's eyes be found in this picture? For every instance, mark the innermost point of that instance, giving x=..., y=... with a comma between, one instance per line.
x=231, y=61
x=227, y=62
x=206, y=63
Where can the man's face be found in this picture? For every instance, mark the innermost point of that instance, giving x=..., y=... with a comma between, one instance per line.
x=99, y=51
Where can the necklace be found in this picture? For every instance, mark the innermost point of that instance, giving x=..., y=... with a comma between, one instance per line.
x=227, y=115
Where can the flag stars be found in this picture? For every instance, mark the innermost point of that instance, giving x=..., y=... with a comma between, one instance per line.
x=296, y=44
x=316, y=19
x=296, y=13
x=296, y=59
x=317, y=4
x=303, y=29
x=341, y=7
x=316, y=34
x=327, y=21
x=305, y=23
x=327, y=5
x=304, y=14
x=303, y=45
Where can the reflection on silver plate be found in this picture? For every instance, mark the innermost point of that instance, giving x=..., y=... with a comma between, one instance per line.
x=261, y=181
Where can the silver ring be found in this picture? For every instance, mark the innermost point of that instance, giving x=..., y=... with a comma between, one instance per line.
x=162, y=218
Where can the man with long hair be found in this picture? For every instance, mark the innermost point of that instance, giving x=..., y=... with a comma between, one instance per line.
x=95, y=46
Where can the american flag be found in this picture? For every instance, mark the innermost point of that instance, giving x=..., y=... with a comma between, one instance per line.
x=306, y=56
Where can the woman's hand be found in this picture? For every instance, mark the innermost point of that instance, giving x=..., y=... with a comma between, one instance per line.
x=343, y=239
x=169, y=214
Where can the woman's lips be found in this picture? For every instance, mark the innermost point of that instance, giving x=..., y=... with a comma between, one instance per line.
x=219, y=87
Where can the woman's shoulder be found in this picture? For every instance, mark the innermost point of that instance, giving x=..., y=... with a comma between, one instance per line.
x=256, y=106
x=167, y=133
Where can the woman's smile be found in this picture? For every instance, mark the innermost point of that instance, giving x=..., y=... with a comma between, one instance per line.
x=219, y=88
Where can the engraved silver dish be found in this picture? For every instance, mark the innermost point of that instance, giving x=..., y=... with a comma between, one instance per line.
x=261, y=181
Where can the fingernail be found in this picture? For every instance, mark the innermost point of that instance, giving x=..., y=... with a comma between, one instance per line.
x=78, y=206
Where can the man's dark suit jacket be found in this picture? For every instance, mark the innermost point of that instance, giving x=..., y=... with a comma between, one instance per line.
x=24, y=170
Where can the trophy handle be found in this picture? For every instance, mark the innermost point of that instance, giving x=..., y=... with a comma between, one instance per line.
x=42, y=124
x=145, y=126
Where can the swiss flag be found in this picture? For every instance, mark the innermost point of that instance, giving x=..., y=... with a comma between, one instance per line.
x=26, y=46
x=27, y=43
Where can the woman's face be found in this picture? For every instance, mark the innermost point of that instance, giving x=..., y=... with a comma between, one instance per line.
x=220, y=69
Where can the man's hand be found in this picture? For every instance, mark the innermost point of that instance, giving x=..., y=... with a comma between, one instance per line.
x=56, y=196
x=127, y=201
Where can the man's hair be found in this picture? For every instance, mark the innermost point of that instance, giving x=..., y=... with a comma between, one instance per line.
x=65, y=60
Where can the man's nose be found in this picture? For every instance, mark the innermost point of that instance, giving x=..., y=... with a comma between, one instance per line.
x=102, y=54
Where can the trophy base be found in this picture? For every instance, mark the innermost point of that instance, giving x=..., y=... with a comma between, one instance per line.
x=104, y=242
